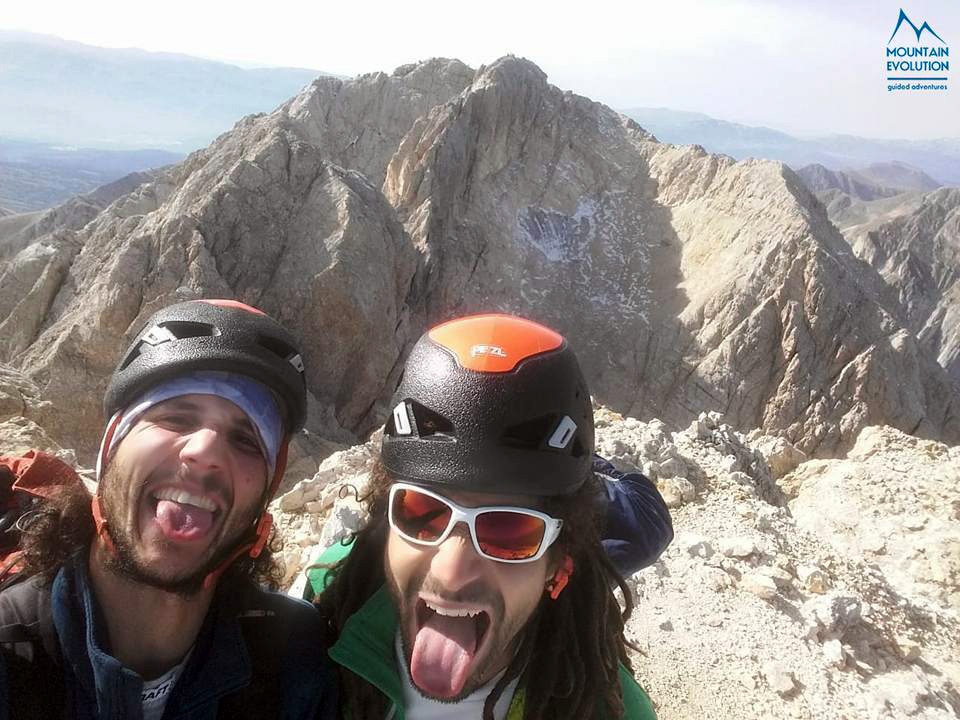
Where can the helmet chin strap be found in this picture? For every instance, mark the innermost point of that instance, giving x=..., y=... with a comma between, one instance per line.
x=253, y=547
x=95, y=506
x=101, y=524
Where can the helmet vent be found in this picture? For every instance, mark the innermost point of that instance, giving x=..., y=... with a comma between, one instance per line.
x=129, y=358
x=282, y=350
x=563, y=434
x=529, y=435
x=165, y=332
x=181, y=329
x=431, y=425
x=400, y=421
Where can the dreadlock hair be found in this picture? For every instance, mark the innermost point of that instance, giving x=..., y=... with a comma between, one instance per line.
x=57, y=527
x=568, y=655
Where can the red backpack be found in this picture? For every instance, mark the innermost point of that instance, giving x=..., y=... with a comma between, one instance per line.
x=25, y=481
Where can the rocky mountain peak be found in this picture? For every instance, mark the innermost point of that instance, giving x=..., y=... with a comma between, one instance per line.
x=359, y=123
x=361, y=211
x=899, y=175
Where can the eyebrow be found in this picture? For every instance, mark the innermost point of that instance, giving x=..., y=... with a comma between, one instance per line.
x=245, y=424
x=179, y=403
x=242, y=422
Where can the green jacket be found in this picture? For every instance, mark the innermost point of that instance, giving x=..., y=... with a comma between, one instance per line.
x=366, y=647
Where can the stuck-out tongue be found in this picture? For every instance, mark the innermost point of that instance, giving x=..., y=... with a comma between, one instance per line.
x=182, y=521
x=442, y=653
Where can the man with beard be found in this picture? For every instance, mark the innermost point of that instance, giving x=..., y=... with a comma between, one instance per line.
x=144, y=601
x=479, y=588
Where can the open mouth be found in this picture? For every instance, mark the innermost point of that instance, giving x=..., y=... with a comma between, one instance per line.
x=181, y=515
x=448, y=640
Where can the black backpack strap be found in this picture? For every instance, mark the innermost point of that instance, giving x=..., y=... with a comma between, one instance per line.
x=31, y=652
x=26, y=616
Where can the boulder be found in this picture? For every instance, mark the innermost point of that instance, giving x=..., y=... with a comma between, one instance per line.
x=761, y=585
x=737, y=547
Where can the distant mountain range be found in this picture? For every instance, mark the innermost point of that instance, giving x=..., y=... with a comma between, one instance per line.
x=35, y=175
x=939, y=158
x=879, y=180
x=57, y=96
x=64, y=92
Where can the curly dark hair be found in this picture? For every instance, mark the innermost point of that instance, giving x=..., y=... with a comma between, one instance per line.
x=57, y=527
x=569, y=652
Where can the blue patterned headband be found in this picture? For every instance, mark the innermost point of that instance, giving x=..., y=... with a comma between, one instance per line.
x=246, y=393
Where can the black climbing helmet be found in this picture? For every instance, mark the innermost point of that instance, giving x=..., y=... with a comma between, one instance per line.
x=212, y=335
x=491, y=403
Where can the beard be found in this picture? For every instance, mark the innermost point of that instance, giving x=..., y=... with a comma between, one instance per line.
x=125, y=562
x=507, y=632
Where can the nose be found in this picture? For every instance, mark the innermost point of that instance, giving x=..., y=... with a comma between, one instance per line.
x=456, y=563
x=203, y=449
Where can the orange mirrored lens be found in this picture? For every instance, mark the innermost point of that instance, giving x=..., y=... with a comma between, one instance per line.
x=509, y=535
x=419, y=516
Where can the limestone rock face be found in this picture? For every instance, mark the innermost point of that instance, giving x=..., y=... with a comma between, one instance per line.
x=362, y=211
x=12, y=224
x=686, y=281
x=789, y=333
x=22, y=417
x=917, y=253
x=19, y=396
x=895, y=499
x=358, y=124
x=847, y=213
x=31, y=280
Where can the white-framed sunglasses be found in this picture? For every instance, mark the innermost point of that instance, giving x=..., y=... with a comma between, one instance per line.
x=502, y=533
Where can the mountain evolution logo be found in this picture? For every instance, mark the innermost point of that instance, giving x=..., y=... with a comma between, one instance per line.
x=918, y=31
x=922, y=62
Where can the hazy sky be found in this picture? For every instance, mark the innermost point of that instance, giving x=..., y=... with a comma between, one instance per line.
x=804, y=67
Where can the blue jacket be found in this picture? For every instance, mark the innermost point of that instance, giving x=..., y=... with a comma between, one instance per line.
x=293, y=678
x=638, y=526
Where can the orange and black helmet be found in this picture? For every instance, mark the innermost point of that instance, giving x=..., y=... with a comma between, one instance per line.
x=491, y=403
x=221, y=335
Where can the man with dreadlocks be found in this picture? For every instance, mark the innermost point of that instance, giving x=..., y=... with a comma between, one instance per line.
x=479, y=587
x=143, y=601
